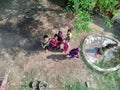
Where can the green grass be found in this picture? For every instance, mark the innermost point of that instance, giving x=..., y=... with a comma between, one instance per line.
x=106, y=64
x=29, y=77
x=75, y=86
x=107, y=81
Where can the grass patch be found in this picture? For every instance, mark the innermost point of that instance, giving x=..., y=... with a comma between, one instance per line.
x=106, y=64
x=107, y=80
x=75, y=86
x=29, y=77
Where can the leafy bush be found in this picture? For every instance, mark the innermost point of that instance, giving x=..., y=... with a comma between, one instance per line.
x=84, y=10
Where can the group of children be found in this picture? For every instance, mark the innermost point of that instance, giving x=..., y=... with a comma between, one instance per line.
x=60, y=43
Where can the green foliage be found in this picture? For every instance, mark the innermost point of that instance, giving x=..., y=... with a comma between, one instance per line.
x=108, y=21
x=38, y=1
x=84, y=9
x=75, y=86
x=107, y=64
x=108, y=5
x=114, y=78
x=82, y=21
x=25, y=82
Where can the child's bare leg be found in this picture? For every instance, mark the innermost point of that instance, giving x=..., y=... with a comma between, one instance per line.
x=46, y=50
x=77, y=56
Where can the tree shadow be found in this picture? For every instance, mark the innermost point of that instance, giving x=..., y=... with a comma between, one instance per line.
x=57, y=57
x=44, y=9
x=29, y=30
x=14, y=43
x=116, y=26
x=7, y=27
x=61, y=3
x=99, y=21
x=26, y=26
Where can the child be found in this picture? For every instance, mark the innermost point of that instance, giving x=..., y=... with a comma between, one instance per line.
x=101, y=51
x=69, y=34
x=66, y=46
x=74, y=53
x=54, y=41
x=46, y=43
x=60, y=38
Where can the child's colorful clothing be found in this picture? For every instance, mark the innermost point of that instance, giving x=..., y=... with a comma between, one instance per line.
x=69, y=36
x=74, y=53
x=60, y=38
x=46, y=43
x=54, y=43
x=102, y=50
x=66, y=46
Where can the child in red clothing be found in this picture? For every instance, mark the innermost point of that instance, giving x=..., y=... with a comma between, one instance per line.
x=54, y=41
x=66, y=46
x=102, y=50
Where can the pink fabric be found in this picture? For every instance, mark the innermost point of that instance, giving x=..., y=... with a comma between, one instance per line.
x=66, y=46
x=4, y=83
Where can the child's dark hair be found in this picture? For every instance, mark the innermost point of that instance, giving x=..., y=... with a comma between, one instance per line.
x=55, y=35
x=30, y=84
x=45, y=36
x=59, y=32
x=69, y=30
x=66, y=39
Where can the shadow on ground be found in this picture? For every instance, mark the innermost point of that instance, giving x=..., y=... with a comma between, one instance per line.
x=26, y=33
x=61, y=3
x=99, y=21
x=57, y=57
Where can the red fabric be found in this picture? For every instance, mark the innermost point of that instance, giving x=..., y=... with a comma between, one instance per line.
x=54, y=42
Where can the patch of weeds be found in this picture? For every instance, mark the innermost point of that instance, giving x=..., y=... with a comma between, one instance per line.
x=26, y=80
x=107, y=80
x=106, y=64
x=74, y=38
x=114, y=80
x=75, y=86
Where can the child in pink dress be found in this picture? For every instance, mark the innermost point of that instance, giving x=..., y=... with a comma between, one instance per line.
x=66, y=46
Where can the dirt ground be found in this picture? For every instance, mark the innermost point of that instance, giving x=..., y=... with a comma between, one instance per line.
x=24, y=60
